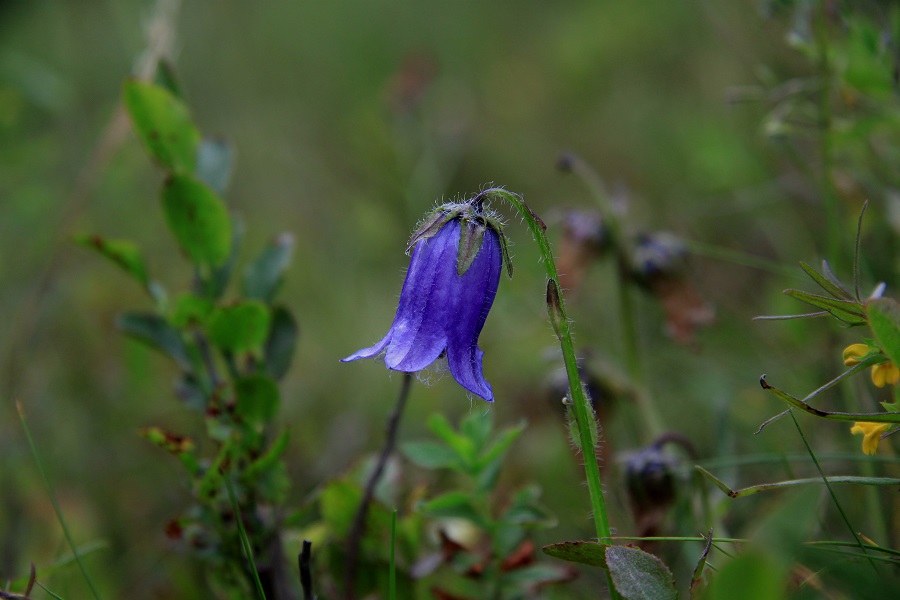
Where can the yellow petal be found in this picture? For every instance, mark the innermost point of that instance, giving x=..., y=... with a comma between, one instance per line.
x=871, y=434
x=853, y=353
x=885, y=374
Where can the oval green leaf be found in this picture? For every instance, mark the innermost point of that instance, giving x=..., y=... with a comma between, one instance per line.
x=123, y=253
x=164, y=125
x=638, y=575
x=240, y=327
x=257, y=399
x=198, y=219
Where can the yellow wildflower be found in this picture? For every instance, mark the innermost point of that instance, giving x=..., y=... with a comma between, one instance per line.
x=871, y=434
x=854, y=352
x=882, y=374
x=885, y=374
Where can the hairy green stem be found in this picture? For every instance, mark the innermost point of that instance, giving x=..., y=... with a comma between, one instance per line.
x=560, y=320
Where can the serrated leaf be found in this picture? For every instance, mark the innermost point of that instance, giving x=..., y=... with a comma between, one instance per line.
x=430, y=455
x=279, y=349
x=825, y=283
x=638, y=575
x=198, y=219
x=884, y=319
x=263, y=276
x=849, y=312
x=123, y=253
x=257, y=399
x=215, y=158
x=582, y=552
x=240, y=327
x=164, y=125
x=157, y=333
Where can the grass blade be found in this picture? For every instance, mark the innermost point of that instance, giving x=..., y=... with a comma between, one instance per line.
x=54, y=502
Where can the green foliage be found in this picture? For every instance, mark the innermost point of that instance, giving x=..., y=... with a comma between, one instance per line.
x=164, y=125
x=638, y=575
x=884, y=319
x=228, y=352
x=198, y=219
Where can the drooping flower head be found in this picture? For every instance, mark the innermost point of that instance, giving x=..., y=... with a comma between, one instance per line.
x=457, y=255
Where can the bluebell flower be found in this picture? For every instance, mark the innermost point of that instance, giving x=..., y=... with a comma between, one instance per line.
x=457, y=256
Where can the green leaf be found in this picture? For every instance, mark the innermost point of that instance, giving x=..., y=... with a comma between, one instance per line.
x=338, y=503
x=833, y=415
x=763, y=487
x=198, y=219
x=123, y=253
x=257, y=399
x=189, y=309
x=240, y=327
x=456, y=505
x=844, y=310
x=215, y=158
x=270, y=457
x=582, y=552
x=214, y=287
x=638, y=575
x=156, y=332
x=263, y=276
x=165, y=78
x=884, y=319
x=440, y=426
x=279, y=349
x=430, y=455
x=164, y=125
x=471, y=236
x=525, y=510
x=825, y=283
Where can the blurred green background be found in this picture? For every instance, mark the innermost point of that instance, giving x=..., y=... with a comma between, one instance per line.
x=350, y=120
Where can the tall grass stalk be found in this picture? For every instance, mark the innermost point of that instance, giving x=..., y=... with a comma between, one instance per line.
x=54, y=502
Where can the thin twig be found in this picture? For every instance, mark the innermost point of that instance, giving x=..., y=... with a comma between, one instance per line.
x=305, y=560
x=354, y=538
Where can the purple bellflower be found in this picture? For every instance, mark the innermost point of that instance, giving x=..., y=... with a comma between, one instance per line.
x=457, y=255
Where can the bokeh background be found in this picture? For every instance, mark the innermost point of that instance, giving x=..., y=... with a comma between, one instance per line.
x=350, y=120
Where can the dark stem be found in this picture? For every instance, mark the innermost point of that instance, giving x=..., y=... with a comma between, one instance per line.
x=354, y=538
x=305, y=560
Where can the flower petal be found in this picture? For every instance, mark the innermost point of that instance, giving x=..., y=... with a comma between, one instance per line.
x=419, y=329
x=473, y=295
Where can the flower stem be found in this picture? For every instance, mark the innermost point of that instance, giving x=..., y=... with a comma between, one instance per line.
x=354, y=538
x=562, y=327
